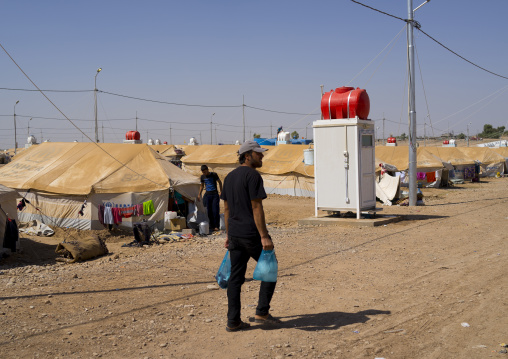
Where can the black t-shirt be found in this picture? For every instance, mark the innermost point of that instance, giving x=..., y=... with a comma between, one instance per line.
x=210, y=182
x=241, y=186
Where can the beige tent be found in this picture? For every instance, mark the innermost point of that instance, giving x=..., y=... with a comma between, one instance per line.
x=60, y=176
x=398, y=156
x=490, y=161
x=220, y=159
x=503, y=151
x=283, y=169
x=8, y=210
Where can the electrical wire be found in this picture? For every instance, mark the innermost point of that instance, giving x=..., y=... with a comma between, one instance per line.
x=58, y=109
x=382, y=12
x=371, y=61
x=462, y=57
x=32, y=90
x=282, y=112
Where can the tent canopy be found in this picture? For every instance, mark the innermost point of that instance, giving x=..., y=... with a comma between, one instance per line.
x=83, y=168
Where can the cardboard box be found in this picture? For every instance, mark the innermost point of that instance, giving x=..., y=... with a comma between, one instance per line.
x=177, y=224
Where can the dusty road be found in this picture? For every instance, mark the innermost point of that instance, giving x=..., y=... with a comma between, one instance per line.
x=398, y=291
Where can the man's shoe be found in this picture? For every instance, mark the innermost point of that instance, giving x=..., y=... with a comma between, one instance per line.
x=266, y=319
x=239, y=327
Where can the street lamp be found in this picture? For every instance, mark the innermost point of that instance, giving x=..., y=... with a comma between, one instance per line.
x=95, y=108
x=15, y=139
x=211, y=128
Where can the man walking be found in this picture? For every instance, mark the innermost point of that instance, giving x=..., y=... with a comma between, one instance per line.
x=211, y=200
x=247, y=234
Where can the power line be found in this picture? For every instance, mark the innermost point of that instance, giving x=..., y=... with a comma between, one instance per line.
x=32, y=90
x=462, y=57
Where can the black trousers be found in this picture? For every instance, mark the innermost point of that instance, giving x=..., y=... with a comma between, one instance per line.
x=212, y=203
x=240, y=251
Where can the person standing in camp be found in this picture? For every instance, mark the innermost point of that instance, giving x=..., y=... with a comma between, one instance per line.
x=211, y=200
x=247, y=234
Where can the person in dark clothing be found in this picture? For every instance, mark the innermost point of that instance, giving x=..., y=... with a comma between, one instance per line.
x=247, y=234
x=211, y=200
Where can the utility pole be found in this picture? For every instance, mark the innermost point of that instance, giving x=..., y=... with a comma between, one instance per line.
x=216, y=134
x=412, y=110
x=170, y=136
x=211, y=131
x=468, y=134
x=243, y=112
x=425, y=134
x=200, y=140
x=383, y=129
x=136, y=120
x=102, y=133
x=15, y=135
x=271, y=130
x=95, y=108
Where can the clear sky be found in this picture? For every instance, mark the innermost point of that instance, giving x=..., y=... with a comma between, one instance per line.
x=275, y=53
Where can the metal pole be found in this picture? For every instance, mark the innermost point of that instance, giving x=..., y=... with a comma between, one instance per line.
x=170, y=136
x=243, y=114
x=412, y=111
x=15, y=138
x=102, y=133
x=425, y=134
x=95, y=108
x=468, y=135
x=136, y=120
x=383, y=129
x=28, y=130
x=211, y=131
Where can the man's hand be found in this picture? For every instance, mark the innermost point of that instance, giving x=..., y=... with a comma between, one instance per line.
x=199, y=197
x=226, y=243
x=267, y=243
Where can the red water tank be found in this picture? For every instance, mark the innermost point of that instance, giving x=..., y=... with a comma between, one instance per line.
x=132, y=135
x=391, y=140
x=345, y=102
x=165, y=142
x=446, y=142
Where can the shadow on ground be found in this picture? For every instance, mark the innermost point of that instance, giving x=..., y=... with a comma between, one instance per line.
x=326, y=320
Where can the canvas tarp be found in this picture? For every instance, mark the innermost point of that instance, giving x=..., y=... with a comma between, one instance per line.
x=503, y=151
x=220, y=159
x=398, y=156
x=490, y=162
x=60, y=176
x=283, y=170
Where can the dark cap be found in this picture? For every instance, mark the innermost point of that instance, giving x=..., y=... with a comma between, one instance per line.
x=251, y=146
x=204, y=167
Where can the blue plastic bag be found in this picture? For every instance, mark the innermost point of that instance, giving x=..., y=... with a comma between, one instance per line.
x=267, y=267
x=224, y=272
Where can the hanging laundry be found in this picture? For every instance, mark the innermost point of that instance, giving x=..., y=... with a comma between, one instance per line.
x=431, y=177
x=108, y=215
x=22, y=204
x=420, y=176
x=101, y=214
x=11, y=235
x=127, y=212
x=117, y=217
x=148, y=208
x=139, y=210
x=81, y=213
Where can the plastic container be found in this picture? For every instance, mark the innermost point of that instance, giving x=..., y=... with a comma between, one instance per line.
x=132, y=135
x=308, y=157
x=204, y=228
x=168, y=216
x=345, y=102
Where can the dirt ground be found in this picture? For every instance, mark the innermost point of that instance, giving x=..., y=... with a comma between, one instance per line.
x=403, y=290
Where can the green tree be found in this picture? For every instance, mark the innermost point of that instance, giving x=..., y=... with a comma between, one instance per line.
x=490, y=132
x=295, y=135
x=403, y=136
x=461, y=136
x=257, y=135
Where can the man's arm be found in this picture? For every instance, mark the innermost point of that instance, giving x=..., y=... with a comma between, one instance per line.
x=259, y=219
x=220, y=184
x=200, y=190
x=226, y=216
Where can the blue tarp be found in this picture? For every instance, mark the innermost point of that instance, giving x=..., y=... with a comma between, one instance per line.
x=272, y=141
